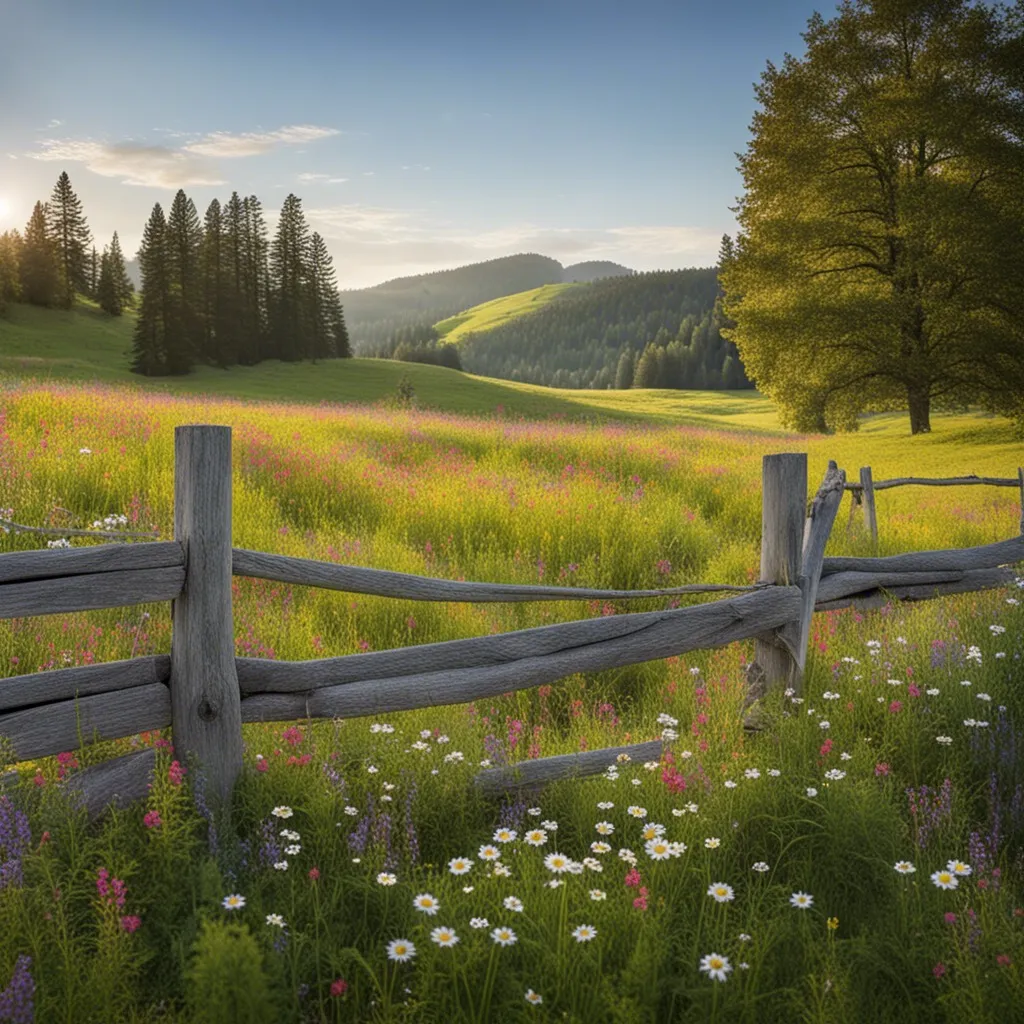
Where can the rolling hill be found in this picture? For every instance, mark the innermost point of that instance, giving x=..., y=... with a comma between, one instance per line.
x=489, y=315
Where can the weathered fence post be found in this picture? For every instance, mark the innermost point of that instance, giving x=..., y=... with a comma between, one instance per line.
x=206, y=714
x=1020, y=478
x=783, y=509
x=868, y=497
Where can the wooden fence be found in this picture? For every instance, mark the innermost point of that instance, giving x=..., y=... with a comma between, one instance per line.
x=205, y=693
x=864, y=493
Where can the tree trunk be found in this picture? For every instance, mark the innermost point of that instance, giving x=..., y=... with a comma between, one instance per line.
x=919, y=400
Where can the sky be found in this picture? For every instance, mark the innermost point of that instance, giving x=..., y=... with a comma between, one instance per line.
x=419, y=136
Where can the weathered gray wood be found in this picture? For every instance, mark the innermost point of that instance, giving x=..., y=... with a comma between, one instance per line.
x=12, y=527
x=841, y=584
x=205, y=698
x=1020, y=480
x=824, y=508
x=783, y=500
x=868, y=500
x=670, y=633
x=949, y=481
x=542, y=770
x=85, y=593
x=63, y=683
x=987, y=556
x=118, y=782
x=56, y=563
x=970, y=581
x=383, y=583
x=52, y=728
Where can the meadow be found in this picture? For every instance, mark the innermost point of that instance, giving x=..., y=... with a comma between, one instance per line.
x=498, y=311
x=862, y=860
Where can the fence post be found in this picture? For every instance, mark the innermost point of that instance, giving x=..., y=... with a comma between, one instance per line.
x=783, y=510
x=206, y=712
x=1020, y=478
x=868, y=497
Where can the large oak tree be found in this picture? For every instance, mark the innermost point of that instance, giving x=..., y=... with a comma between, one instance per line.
x=878, y=264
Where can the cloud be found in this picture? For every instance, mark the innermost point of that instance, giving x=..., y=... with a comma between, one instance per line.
x=224, y=144
x=134, y=163
x=54, y=123
x=309, y=178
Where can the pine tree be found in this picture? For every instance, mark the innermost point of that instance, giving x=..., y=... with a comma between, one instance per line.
x=106, y=294
x=150, y=338
x=326, y=334
x=40, y=275
x=184, y=273
x=70, y=234
x=257, y=250
x=289, y=262
x=218, y=340
x=123, y=288
x=10, y=256
x=94, y=273
x=233, y=251
x=647, y=369
x=624, y=371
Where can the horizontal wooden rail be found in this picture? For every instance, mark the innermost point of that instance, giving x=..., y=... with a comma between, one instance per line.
x=56, y=563
x=84, y=681
x=383, y=583
x=541, y=770
x=655, y=636
x=11, y=527
x=987, y=556
x=89, y=592
x=970, y=581
x=117, y=782
x=53, y=728
x=950, y=481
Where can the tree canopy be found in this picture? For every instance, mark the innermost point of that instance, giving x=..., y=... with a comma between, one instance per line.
x=878, y=265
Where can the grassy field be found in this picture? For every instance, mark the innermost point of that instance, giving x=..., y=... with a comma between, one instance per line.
x=339, y=827
x=489, y=315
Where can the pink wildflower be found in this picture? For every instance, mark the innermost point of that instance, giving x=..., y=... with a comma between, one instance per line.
x=882, y=768
x=130, y=922
x=949, y=917
x=152, y=819
x=939, y=970
x=633, y=878
x=339, y=987
x=895, y=707
x=176, y=773
x=1003, y=960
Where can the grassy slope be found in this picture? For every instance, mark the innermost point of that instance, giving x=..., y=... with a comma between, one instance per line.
x=489, y=315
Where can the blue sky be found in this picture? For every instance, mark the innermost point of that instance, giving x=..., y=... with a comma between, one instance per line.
x=419, y=136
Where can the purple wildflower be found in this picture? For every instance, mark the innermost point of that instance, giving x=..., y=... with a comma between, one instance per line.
x=16, y=1000
x=15, y=839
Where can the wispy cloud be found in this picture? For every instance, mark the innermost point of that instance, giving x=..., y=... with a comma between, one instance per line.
x=225, y=144
x=134, y=163
x=54, y=123
x=309, y=178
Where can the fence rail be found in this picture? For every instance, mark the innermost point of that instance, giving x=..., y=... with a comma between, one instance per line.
x=205, y=692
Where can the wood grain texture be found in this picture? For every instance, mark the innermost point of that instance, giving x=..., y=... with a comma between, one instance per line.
x=541, y=770
x=867, y=497
x=987, y=556
x=783, y=501
x=64, y=683
x=662, y=635
x=949, y=481
x=118, y=782
x=842, y=584
x=88, y=592
x=54, y=728
x=205, y=698
x=384, y=583
x=12, y=527
x=978, y=579
x=824, y=509
x=55, y=563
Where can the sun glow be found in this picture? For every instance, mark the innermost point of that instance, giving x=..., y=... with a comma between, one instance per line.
x=5, y=209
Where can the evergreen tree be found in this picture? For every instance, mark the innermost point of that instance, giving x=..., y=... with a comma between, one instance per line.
x=237, y=329
x=70, y=235
x=289, y=263
x=184, y=274
x=150, y=343
x=10, y=257
x=94, y=273
x=106, y=294
x=258, y=279
x=217, y=331
x=647, y=369
x=624, y=371
x=326, y=334
x=40, y=274
x=123, y=287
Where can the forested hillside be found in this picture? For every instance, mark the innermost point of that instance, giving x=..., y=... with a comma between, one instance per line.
x=650, y=330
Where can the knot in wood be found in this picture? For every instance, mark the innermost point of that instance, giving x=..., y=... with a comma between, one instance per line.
x=208, y=709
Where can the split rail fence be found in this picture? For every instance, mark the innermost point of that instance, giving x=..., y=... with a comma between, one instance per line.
x=205, y=693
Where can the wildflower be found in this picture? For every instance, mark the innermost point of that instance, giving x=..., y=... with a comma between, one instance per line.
x=287, y=833
x=275, y=919
x=551, y=826
x=426, y=903
x=130, y=923
x=944, y=740
x=752, y=773
x=600, y=847
x=313, y=873
x=504, y=835
x=939, y=970
x=386, y=878
x=904, y=867
x=459, y=865
x=652, y=831
x=721, y=892
x=637, y=812
x=488, y=853
x=598, y=894
x=716, y=966
x=882, y=768
x=292, y=850
x=444, y=937
x=282, y=812
x=584, y=933
x=713, y=843
x=824, y=724
x=533, y=998
x=467, y=889
x=945, y=879
x=594, y=865
x=233, y=902
x=835, y=774
x=401, y=950
x=501, y=871
x=605, y=805
x=512, y=903
x=802, y=900
x=949, y=917
x=478, y=922
x=729, y=784
x=744, y=937
x=932, y=691
x=958, y=867
x=604, y=828
x=503, y=936
x=352, y=811
x=534, y=812
x=658, y=849
x=556, y=862
x=760, y=866
x=152, y=819
x=281, y=865
x=774, y=772
x=536, y=837
x=832, y=923
x=339, y=987
x=627, y=855
x=1003, y=960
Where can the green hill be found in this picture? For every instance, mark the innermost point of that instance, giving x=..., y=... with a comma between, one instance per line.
x=489, y=315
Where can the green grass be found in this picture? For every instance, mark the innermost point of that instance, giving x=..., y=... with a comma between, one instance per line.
x=489, y=315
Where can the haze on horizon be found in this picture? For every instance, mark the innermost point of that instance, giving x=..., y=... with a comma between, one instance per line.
x=417, y=140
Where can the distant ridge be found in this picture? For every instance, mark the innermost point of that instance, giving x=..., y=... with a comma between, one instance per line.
x=594, y=270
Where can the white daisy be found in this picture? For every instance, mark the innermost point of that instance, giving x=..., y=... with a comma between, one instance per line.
x=426, y=903
x=401, y=950
x=721, y=892
x=584, y=933
x=716, y=966
x=802, y=900
x=233, y=902
x=444, y=937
